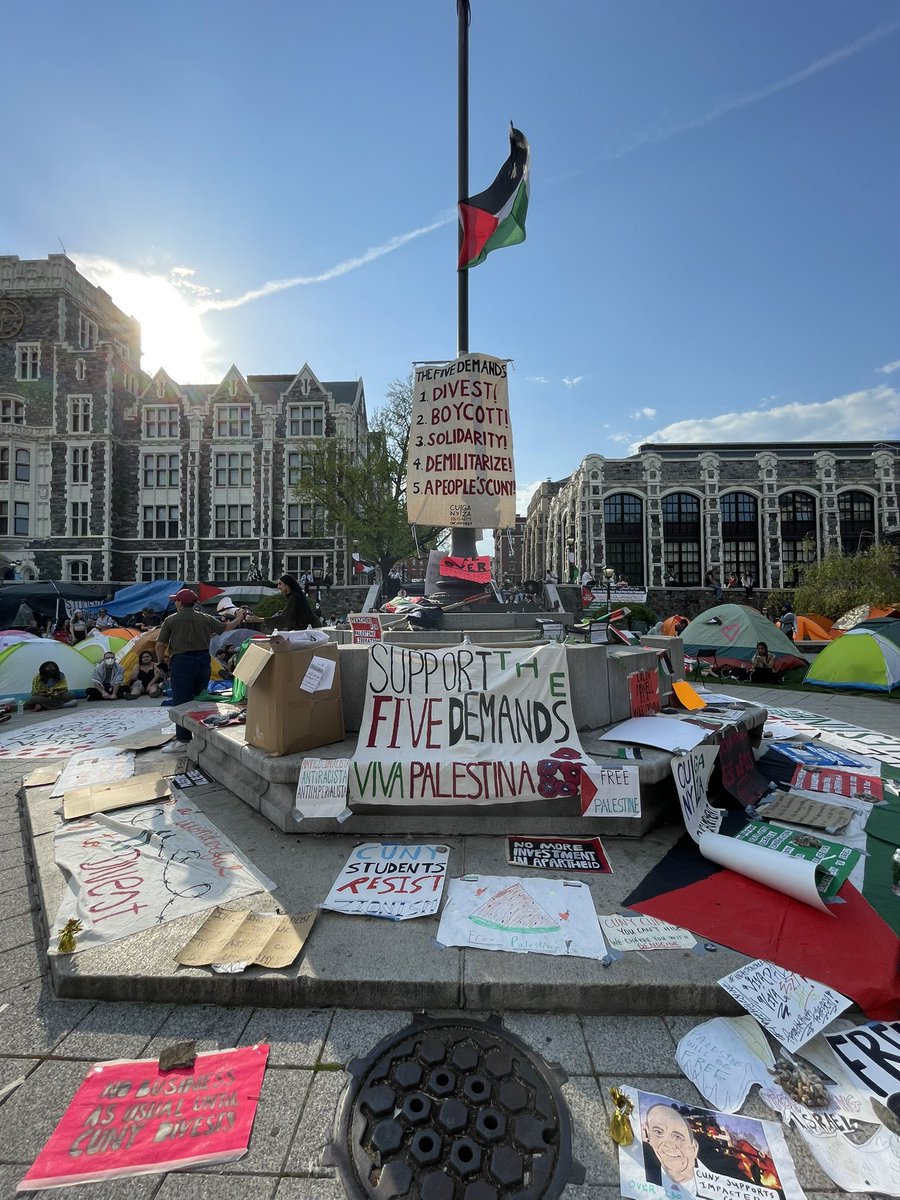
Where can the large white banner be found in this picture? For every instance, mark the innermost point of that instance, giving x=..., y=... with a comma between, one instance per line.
x=460, y=470
x=466, y=725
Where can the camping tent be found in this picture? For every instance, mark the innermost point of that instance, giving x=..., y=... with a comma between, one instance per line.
x=19, y=665
x=864, y=612
x=44, y=596
x=137, y=596
x=95, y=645
x=731, y=632
x=809, y=629
x=866, y=658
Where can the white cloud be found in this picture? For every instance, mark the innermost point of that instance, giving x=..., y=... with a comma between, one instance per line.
x=643, y=412
x=889, y=368
x=536, y=379
x=572, y=381
x=623, y=438
x=524, y=492
x=868, y=415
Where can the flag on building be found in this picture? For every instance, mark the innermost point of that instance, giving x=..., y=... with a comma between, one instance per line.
x=496, y=217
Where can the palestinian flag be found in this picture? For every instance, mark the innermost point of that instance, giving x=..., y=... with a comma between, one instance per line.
x=496, y=217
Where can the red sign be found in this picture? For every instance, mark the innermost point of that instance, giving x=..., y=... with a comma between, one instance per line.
x=365, y=630
x=130, y=1118
x=473, y=570
x=838, y=782
x=643, y=689
x=737, y=767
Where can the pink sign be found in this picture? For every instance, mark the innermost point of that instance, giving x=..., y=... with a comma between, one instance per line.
x=839, y=782
x=130, y=1118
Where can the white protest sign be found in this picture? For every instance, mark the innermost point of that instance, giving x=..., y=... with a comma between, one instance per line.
x=853, y=738
x=665, y=733
x=611, y=791
x=523, y=916
x=723, y=1058
x=692, y=771
x=319, y=675
x=322, y=788
x=460, y=470
x=387, y=879
x=106, y=764
x=872, y=1055
x=792, y=1008
x=644, y=933
x=466, y=725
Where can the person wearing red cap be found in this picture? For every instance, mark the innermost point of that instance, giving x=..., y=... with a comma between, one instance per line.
x=186, y=635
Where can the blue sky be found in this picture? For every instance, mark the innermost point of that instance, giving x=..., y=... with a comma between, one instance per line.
x=712, y=245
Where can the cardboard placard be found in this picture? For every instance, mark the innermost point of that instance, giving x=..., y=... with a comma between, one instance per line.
x=104, y=765
x=247, y=937
x=147, y=739
x=803, y=810
x=740, y=777
x=281, y=717
x=365, y=629
x=611, y=791
x=558, y=854
x=473, y=570
x=42, y=777
x=643, y=693
x=106, y=797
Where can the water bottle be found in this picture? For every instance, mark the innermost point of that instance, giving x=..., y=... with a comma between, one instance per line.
x=895, y=872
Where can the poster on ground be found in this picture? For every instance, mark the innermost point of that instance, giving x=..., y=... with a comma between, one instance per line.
x=692, y=771
x=98, y=725
x=681, y=1151
x=833, y=862
x=791, y=1007
x=644, y=933
x=723, y=1058
x=740, y=778
x=460, y=470
x=521, y=915
x=248, y=939
x=558, y=854
x=883, y=747
x=871, y=1053
x=839, y=782
x=466, y=725
x=130, y=1118
x=613, y=791
x=389, y=879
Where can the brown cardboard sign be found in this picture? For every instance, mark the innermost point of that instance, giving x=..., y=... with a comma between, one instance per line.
x=106, y=797
x=145, y=739
x=803, y=810
x=42, y=777
x=247, y=937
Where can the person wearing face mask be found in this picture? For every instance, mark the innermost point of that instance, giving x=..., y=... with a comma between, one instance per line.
x=150, y=677
x=108, y=680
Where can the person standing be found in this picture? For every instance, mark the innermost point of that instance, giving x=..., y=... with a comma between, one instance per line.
x=296, y=613
x=77, y=626
x=185, y=634
x=788, y=621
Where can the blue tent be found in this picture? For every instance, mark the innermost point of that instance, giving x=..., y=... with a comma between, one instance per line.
x=137, y=596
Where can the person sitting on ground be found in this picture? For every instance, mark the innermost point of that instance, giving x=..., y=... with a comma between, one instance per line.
x=49, y=689
x=297, y=613
x=762, y=667
x=108, y=680
x=149, y=678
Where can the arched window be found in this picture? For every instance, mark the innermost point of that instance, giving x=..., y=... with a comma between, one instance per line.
x=23, y=466
x=740, y=535
x=623, y=520
x=856, y=513
x=797, y=516
x=681, y=538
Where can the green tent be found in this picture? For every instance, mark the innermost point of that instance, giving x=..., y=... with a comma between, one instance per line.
x=864, y=659
x=731, y=632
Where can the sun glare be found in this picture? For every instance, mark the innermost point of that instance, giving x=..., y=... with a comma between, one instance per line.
x=172, y=333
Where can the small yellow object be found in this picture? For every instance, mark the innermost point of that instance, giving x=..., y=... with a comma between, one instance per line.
x=619, y=1125
x=66, y=943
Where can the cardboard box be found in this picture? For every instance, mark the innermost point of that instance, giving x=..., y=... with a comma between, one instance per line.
x=282, y=718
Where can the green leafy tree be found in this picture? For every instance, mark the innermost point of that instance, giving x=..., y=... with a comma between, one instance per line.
x=842, y=581
x=365, y=490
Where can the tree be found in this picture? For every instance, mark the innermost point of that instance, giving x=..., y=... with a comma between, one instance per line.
x=842, y=581
x=365, y=490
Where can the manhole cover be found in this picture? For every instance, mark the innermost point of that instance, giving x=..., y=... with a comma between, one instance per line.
x=453, y=1110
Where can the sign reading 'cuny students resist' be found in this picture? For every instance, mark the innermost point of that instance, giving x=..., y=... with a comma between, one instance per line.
x=466, y=725
x=460, y=468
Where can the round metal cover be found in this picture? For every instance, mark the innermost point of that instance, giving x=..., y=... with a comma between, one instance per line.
x=453, y=1110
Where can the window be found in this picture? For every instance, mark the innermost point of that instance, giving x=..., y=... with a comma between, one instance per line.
x=739, y=508
x=158, y=566
x=160, y=520
x=740, y=535
x=162, y=421
x=297, y=466
x=79, y=464
x=234, y=469
x=306, y=420
x=4, y=518
x=12, y=412
x=23, y=466
x=4, y=464
x=233, y=520
x=88, y=332
x=856, y=515
x=160, y=470
x=623, y=522
x=80, y=369
x=797, y=516
x=79, y=414
x=298, y=564
x=681, y=538
x=20, y=519
x=231, y=566
x=77, y=570
x=232, y=420
x=305, y=521
x=79, y=518
x=28, y=360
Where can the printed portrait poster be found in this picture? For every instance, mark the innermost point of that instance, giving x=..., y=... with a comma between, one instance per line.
x=460, y=470
x=130, y=1118
x=466, y=725
x=680, y=1151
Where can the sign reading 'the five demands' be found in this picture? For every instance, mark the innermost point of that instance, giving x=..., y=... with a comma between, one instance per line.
x=460, y=468
x=466, y=725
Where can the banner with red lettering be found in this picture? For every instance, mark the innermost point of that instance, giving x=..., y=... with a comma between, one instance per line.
x=143, y=866
x=460, y=470
x=466, y=725
x=131, y=1118
x=473, y=570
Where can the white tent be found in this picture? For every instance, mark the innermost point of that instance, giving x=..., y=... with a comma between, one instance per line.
x=19, y=665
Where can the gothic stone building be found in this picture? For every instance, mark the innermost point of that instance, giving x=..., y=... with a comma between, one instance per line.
x=674, y=512
x=109, y=474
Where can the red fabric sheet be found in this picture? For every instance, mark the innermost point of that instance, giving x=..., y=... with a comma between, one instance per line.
x=852, y=951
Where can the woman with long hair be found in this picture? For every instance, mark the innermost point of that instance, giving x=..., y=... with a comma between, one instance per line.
x=296, y=613
x=49, y=689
